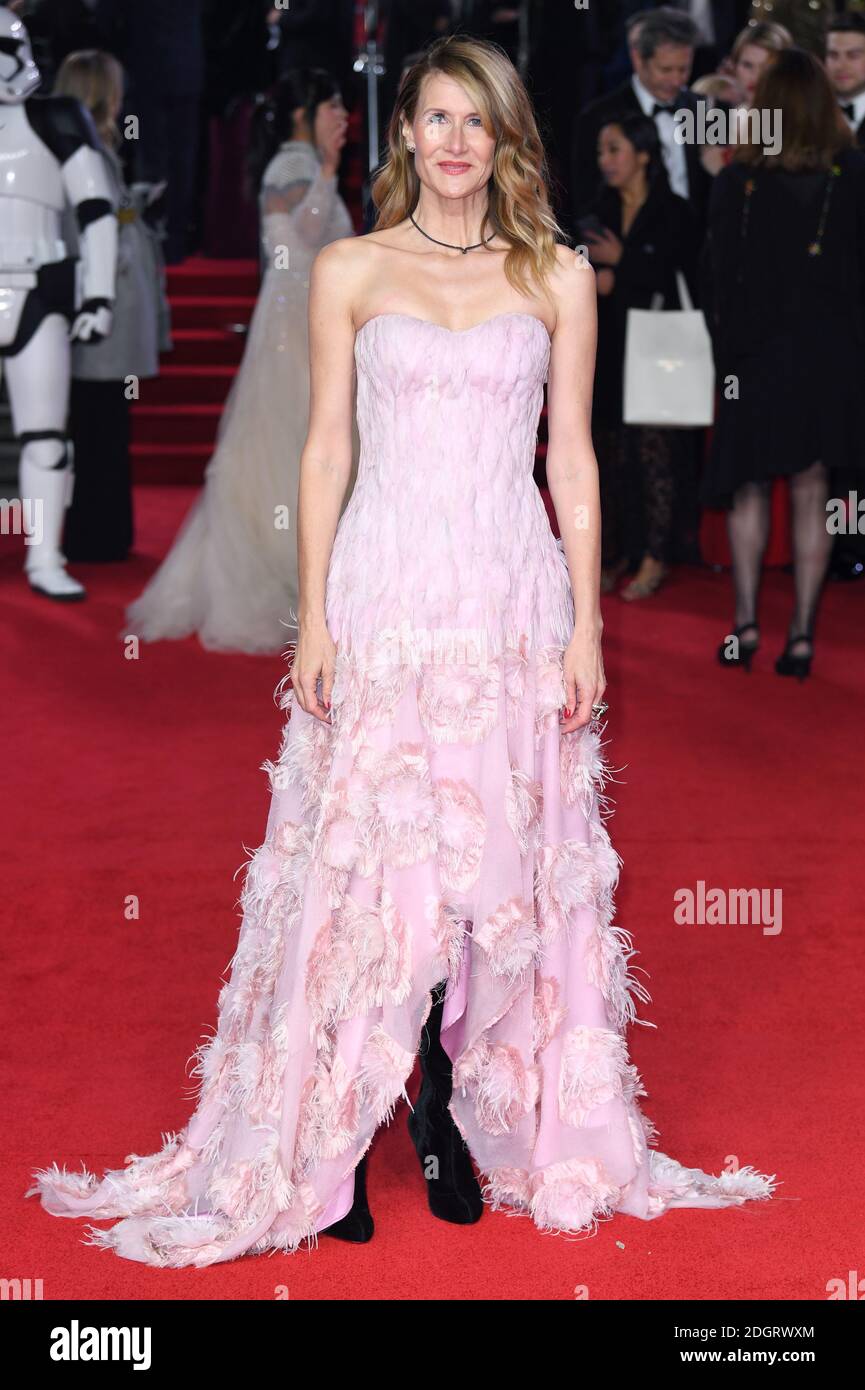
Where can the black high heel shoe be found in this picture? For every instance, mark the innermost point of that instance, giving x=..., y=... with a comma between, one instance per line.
x=453, y=1193
x=743, y=653
x=791, y=663
x=357, y=1225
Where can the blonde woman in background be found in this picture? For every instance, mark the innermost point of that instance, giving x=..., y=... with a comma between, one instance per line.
x=756, y=48
x=99, y=522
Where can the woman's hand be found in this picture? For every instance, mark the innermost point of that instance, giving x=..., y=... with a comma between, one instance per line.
x=314, y=660
x=604, y=248
x=585, y=682
x=332, y=141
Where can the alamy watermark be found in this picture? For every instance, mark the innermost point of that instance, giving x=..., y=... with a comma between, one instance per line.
x=99, y=1343
x=721, y=907
x=716, y=125
x=845, y=516
x=21, y=516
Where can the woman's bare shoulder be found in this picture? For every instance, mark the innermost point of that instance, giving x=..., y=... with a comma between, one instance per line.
x=571, y=282
x=569, y=260
x=345, y=269
x=339, y=264
x=351, y=255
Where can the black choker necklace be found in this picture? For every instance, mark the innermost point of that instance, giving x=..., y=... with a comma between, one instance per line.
x=449, y=244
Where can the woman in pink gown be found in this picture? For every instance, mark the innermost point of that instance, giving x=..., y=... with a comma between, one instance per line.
x=437, y=802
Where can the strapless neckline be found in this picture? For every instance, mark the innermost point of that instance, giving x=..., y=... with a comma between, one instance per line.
x=458, y=332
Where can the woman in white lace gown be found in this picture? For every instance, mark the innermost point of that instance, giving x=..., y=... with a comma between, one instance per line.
x=231, y=574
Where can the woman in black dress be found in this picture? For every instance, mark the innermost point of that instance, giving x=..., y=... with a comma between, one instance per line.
x=638, y=234
x=787, y=255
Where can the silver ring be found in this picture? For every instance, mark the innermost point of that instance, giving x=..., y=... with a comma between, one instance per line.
x=598, y=710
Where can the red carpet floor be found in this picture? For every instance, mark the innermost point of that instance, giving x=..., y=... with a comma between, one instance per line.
x=142, y=778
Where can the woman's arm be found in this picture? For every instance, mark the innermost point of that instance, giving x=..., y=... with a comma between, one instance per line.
x=325, y=464
x=306, y=204
x=300, y=191
x=572, y=476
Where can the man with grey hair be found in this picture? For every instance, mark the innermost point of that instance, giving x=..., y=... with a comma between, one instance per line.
x=661, y=45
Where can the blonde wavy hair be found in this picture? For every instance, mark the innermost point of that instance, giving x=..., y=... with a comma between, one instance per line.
x=519, y=207
x=96, y=80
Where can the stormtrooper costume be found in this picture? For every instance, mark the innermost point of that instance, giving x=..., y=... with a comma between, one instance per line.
x=48, y=159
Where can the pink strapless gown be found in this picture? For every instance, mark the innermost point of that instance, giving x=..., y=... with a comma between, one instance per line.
x=442, y=827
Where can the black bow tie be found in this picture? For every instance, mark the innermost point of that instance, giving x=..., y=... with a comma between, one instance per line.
x=658, y=107
x=849, y=110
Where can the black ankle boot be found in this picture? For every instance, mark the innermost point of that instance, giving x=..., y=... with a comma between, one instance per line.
x=454, y=1193
x=357, y=1225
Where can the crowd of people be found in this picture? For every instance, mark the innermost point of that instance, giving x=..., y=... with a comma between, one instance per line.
x=767, y=241
x=771, y=241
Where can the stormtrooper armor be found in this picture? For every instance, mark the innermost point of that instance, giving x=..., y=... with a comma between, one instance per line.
x=49, y=159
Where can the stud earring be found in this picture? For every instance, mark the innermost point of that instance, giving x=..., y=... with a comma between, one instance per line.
x=411, y=149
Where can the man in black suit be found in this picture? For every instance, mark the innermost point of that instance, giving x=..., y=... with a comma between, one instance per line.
x=661, y=45
x=845, y=65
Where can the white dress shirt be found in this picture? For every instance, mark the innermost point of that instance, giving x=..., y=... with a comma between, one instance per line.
x=673, y=152
x=858, y=104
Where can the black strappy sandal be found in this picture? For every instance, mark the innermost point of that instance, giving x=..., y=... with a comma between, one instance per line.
x=792, y=663
x=742, y=653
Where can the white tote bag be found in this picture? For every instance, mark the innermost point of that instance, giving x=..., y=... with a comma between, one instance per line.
x=669, y=368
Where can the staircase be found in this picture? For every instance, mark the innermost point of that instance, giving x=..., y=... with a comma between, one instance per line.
x=175, y=421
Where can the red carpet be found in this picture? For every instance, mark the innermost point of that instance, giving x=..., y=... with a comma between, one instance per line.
x=142, y=778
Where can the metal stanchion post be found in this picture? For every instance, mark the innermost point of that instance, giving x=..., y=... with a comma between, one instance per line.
x=370, y=62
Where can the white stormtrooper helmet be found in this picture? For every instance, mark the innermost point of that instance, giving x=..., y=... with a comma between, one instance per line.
x=19, y=75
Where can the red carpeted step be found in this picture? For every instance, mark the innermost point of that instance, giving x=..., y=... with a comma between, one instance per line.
x=175, y=424
x=204, y=347
x=173, y=464
x=192, y=311
x=201, y=279
x=188, y=385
